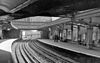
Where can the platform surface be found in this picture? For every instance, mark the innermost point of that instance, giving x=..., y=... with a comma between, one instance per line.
x=6, y=45
x=5, y=50
x=73, y=47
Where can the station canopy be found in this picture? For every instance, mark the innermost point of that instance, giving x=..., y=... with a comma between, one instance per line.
x=26, y=8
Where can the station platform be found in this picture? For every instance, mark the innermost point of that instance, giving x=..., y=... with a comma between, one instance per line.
x=6, y=44
x=95, y=52
x=5, y=50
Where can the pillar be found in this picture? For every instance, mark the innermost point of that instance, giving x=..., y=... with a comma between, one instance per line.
x=89, y=36
x=50, y=33
x=72, y=19
x=78, y=35
x=72, y=38
x=1, y=33
x=62, y=31
x=66, y=33
x=20, y=35
x=97, y=38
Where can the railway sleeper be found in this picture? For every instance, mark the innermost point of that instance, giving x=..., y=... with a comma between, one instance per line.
x=19, y=55
x=13, y=47
x=58, y=60
x=32, y=52
x=54, y=54
x=24, y=54
x=48, y=58
x=29, y=55
x=45, y=54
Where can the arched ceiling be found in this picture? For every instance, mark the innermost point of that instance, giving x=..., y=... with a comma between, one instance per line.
x=47, y=7
x=11, y=6
x=57, y=7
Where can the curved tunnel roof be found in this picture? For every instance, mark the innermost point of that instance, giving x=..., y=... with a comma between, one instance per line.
x=25, y=8
x=58, y=7
x=11, y=6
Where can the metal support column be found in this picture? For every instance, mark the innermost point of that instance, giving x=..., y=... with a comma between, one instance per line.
x=20, y=35
x=78, y=35
x=72, y=19
x=89, y=36
x=72, y=38
x=50, y=33
x=1, y=33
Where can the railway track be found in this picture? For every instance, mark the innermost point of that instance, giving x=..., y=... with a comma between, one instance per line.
x=14, y=53
x=37, y=56
x=32, y=52
x=17, y=55
x=56, y=53
x=30, y=57
x=22, y=53
x=54, y=57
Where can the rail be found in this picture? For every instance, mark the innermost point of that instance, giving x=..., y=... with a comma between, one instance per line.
x=28, y=51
